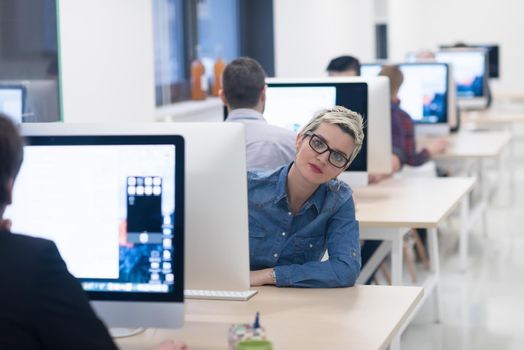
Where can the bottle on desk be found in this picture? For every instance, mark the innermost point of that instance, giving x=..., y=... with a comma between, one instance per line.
x=199, y=83
x=218, y=70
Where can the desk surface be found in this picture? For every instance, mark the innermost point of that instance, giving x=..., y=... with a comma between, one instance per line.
x=480, y=144
x=362, y=317
x=493, y=117
x=414, y=202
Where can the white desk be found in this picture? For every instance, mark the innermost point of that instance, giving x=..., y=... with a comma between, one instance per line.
x=472, y=150
x=388, y=210
x=493, y=117
x=362, y=317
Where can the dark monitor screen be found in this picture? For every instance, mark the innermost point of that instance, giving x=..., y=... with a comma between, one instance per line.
x=114, y=205
x=292, y=105
x=424, y=91
x=12, y=101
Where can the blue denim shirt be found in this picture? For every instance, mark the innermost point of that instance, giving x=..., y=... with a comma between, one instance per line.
x=294, y=244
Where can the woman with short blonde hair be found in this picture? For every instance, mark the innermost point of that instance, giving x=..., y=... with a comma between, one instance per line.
x=300, y=210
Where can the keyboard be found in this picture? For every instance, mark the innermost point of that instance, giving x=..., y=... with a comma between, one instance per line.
x=219, y=294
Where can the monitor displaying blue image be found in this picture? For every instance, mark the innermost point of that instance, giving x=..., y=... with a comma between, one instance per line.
x=469, y=71
x=114, y=207
x=424, y=91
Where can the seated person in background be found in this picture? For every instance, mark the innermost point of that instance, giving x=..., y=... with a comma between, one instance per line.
x=348, y=66
x=301, y=209
x=244, y=94
x=42, y=305
x=403, y=129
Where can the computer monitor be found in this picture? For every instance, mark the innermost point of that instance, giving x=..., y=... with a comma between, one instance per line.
x=493, y=56
x=424, y=94
x=292, y=103
x=216, y=214
x=114, y=205
x=470, y=70
x=41, y=101
x=12, y=101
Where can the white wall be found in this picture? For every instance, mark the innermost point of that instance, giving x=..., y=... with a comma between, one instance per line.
x=309, y=33
x=107, y=62
x=417, y=24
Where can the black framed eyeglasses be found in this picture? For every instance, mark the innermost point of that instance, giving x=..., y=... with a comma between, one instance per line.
x=317, y=144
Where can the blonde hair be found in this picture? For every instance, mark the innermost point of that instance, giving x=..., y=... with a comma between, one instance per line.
x=350, y=122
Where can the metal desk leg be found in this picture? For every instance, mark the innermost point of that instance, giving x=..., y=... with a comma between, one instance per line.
x=484, y=195
x=396, y=257
x=464, y=228
x=435, y=268
x=395, y=343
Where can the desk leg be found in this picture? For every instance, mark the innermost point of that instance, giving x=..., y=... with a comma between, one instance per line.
x=464, y=228
x=484, y=194
x=396, y=257
x=435, y=268
x=395, y=343
x=511, y=169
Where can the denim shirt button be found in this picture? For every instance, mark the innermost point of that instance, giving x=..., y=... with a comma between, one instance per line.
x=283, y=234
x=275, y=255
x=310, y=245
x=289, y=213
x=354, y=254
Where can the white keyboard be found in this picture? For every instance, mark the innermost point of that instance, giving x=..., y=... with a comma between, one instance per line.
x=219, y=294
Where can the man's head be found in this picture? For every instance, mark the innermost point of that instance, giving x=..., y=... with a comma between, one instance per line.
x=11, y=156
x=344, y=66
x=244, y=82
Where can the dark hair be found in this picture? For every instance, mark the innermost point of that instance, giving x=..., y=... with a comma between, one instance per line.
x=344, y=63
x=11, y=154
x=459, y=44
x=243, y=81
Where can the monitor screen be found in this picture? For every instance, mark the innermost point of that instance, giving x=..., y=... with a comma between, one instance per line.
x=12, y=100
x=423, y=93
x=114, y=207
x=469, y=71
x=493, y=57
x=292, y=105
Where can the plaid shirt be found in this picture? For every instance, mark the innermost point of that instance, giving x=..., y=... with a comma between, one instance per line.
x=403, y=131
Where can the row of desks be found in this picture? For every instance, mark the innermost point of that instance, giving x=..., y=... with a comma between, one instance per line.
x=362, y=317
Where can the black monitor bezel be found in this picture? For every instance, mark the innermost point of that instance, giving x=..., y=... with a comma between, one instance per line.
x=177, y=295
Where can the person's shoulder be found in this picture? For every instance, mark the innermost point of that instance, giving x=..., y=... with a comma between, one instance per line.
x=27, y=252
x=280, y=131
x=340, y=190
x=263, y=176
x=24, y=241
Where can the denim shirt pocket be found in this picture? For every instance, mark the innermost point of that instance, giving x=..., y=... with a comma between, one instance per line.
x=310, y=247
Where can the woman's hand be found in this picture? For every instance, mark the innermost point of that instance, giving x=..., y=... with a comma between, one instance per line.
x=261, y=277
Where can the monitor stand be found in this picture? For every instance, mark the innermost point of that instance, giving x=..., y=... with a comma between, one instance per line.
x=441, y=129
x=354, y=178
x=125, y=332
x=473, y=104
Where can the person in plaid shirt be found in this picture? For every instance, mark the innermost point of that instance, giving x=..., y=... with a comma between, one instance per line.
x=402, y=127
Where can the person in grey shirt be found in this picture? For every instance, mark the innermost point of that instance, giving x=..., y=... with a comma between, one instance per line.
x=244, y=93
